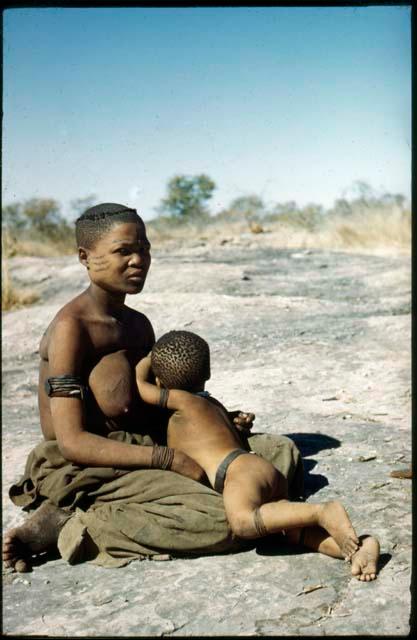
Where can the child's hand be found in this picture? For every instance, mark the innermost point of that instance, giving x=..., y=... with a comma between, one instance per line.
x=243, y=421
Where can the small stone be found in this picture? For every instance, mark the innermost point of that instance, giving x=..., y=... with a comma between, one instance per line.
x=99, y=601
x=255, y=227
x=160, y=557
x=311, y=588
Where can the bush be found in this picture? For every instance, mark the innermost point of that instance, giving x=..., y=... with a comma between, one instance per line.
x=187, y=197
x=36, y=227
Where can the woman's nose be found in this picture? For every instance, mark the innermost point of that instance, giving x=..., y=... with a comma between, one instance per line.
x=135, y=258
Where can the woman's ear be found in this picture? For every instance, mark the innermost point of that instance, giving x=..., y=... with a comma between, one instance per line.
x=83, y=256
x=159, y=383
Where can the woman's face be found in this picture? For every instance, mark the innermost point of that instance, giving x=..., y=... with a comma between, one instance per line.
x=119, y=261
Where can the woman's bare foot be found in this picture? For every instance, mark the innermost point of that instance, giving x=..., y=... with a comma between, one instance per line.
x=365, y=560
x=38, y=533
x=334, y=519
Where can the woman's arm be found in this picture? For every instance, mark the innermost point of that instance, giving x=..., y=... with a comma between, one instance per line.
x=66, y=354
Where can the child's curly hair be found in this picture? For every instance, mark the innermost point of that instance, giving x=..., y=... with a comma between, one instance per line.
x=181, y=360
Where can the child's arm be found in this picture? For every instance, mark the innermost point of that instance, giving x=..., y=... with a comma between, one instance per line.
x=150, y=393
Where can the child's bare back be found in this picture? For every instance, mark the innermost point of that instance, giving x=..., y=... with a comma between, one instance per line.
x=202, y=430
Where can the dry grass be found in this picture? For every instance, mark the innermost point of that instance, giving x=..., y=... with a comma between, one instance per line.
x=12, y=297
x=376, y=230
x=373, y=230
x=43, y=248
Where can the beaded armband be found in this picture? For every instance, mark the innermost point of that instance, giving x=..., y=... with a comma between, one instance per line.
x=66, y=386
x=163, y=398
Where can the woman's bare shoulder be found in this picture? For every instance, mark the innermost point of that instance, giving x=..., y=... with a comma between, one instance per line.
x=69, y=319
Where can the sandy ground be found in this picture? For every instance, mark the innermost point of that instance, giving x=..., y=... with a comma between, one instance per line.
x=317, y=344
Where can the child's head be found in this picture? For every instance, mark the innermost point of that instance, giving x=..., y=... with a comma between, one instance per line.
x=181, y=360
x=98, y=220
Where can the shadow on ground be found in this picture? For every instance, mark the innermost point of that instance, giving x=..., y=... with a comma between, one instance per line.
x=310, y=444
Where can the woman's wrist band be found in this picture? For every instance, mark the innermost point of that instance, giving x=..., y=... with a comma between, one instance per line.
x=162, y=457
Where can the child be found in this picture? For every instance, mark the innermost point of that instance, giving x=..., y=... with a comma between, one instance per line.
x=254, y=492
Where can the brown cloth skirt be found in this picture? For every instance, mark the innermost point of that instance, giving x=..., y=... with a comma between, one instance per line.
x=121, y=515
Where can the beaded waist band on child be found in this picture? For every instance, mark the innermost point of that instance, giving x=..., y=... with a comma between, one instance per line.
x=223, y=467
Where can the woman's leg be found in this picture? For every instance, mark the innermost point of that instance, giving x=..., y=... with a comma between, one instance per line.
x=37, y=534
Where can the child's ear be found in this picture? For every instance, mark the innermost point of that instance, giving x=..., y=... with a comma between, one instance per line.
x=83, y=256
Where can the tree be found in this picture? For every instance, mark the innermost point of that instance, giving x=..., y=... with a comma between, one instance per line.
x=247, y=206
x=12, y=217
x=284, y=208
x=42, y=214
x=187, y=196
x=79, y=205
x=342, y=207
x=394, y=200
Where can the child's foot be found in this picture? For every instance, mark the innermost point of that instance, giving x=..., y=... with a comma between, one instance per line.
x=37, y=534
x=365, y=560
x=334, y=519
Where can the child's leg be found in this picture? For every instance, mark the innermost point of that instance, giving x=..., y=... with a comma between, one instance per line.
x=251, y=483
x=315, y=539
x=329, y=516
x=250, y=519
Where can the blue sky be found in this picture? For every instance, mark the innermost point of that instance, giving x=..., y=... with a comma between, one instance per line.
x=287, y=103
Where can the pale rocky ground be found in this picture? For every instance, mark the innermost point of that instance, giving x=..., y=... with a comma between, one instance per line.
x=317, y=344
